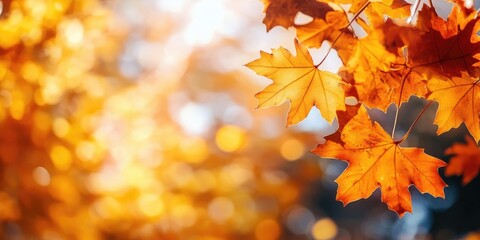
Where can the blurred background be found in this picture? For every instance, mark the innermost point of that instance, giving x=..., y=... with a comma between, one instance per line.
x=124, y=119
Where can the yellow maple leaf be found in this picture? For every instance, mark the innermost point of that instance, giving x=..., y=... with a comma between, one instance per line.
x=297, y=78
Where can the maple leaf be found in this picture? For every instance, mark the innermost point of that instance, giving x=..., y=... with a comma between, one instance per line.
x=283, y=12
x=370, y=55
x=376, y=160
x=381, y=89
x=457, y=19
x=297, y=78
x=466, y=160
x=448, y=48
x=433, y=55
x=439, y=53
x=314, y=33
x=459, y=101
x=377, y=83
x=422, y=56
x=450, y=27
x=392, y=8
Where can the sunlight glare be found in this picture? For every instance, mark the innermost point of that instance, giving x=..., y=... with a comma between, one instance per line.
x=205, y=20
x=171, y=6
x=202, y=115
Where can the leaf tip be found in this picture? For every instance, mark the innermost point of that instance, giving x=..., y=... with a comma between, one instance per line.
x=401, y=214
x=343, y=201
x=315, y=149
x=400, y=211
x=289, y=123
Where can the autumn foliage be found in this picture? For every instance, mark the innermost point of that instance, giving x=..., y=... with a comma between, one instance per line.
x=130, y=120
x=390, y=51
x=465, y=160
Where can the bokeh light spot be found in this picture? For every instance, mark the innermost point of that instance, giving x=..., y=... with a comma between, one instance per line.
x=299, y=220
x=202, y=115
x=184, y=215
x=324, y=229
x=151, y=205
x=108, y=208
x=292, y=149
x=194, y=150
x=220, y=209
x=230, y=138
x=61, y=127
x=41, y=176
x=30, y=71
x=61, y=157
x=86, y=151
x=73, y=32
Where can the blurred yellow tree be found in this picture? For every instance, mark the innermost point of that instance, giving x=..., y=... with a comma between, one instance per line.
x=88, y=151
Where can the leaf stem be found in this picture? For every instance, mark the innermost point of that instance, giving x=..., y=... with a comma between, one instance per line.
x=414, y=12
x=399, y=102
x=395, y=121
x=414, y=122
x=342, y=32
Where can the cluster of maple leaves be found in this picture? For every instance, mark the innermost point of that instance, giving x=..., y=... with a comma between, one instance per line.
x=401, y=52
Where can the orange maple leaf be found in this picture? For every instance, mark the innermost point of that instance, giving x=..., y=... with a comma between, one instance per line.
x=466, y=160
x=314, y=33
x=450, y=27
x=376, y=160
x=458, y=102
x=297, y=79
x=381, y=89
x=369, y=57
x=283, y=12
x=445, y=52
x=380, y=76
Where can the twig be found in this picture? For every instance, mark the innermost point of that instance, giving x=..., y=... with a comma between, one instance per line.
x=414, y=122
x=343, y=31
